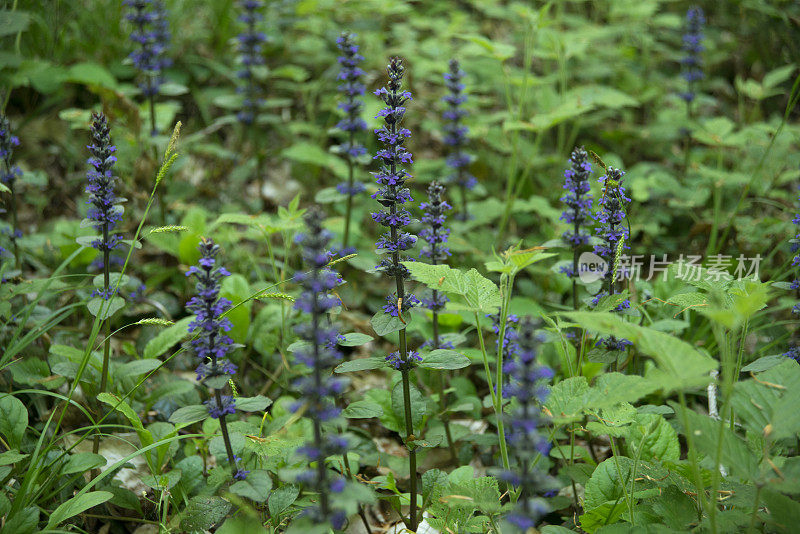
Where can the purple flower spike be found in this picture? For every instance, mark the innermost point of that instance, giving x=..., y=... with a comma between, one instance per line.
x=351, y=88
x=455, y=134
x=692, y=63
x=525, y=439
x=578, y=202
x=613, y=231
x=794, y=349
x=105, y=211
x=211, y=344
x=151, y=34
x=392, y=193
x=250, y=45
x=319, y=387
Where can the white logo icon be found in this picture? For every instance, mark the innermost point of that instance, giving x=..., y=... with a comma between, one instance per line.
x=591, y=268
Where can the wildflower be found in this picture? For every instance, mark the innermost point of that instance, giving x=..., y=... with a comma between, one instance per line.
x=352, y=124
x=250, y=48
x=211, y=344
x=9, y=173
x=151, y=34
x=105, y=211
x=319, y=388
x=8, y=142
x=691, y=63
x=794, y=351
x=527, y=387
x=579, y=203
x=393, y=194
x=455, y=134
x=614, y=235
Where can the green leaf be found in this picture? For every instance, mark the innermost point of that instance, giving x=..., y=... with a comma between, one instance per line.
x=355, y=339
x=137, y=367
x=123, y=407
x=567, y=400
x=444, y=359
x=281, y=499
x=82, y=462
x=13, y=22
x=11, y=457
x=363, y=409
x=167, y=338
x=13, y=420
x=76, y=505
x=734, y=454
x=256, y=486
x=614, y=421
x=361, y=364
x=314, y=155
x=189, y=414
x=764, y=363
x=385, y=324
x=652, y=438
x=91, y=74
x=613, y=388
x=476, y=293
x=24, y=521
x=242, y=523
x=418, y=407
x=202, y=513
x=104, y=309
x=679, y=365
x=784, y=512
x=252, y=404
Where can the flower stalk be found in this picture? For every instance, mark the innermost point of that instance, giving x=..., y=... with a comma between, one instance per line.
x=393, y=195
x=351, y=87
x=9, y=175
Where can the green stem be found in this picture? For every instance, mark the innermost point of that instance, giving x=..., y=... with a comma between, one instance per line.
x=692, y=452
x=412, y=453
x=350, y=180
x=107, y=325
x=628, y=498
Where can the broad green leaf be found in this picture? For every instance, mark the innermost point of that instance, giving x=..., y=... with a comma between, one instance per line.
x=76, y=505
x=256, y=486
x=281, y=499
x=11, y=457
x=13, y=420
x=361, y=364
x=614, y=421
x=477, y=293
x=363, y=409
x=82, y=462
x=203, y=512
x=418, y=407
x=385, y=324
x=123, y=407
x=444, y=359
x=14, y=22
x=137, y=367
x=678, y=365
x=653, y=438
x=189, y=414
x=252, y=404
x=355, y=339
x=706, y=434
x=167, y=338
x=613, y=388
x=567, y=400
x=104, y=309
